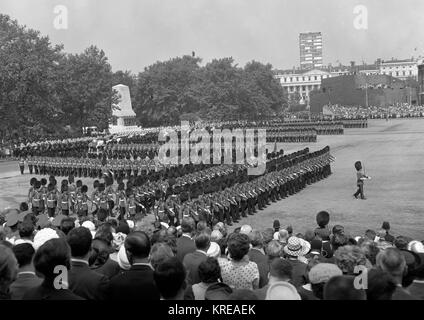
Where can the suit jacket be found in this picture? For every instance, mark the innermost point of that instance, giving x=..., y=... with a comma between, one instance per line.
x=298, y=273
x=261, y=292
x=402, y=294
x=184, y=245
x=48, y=292
x=416, y=289
x=263, y=265
x=109, y=269
x=87, y=283
x=191, y=262
x=137, y=283
x=22, y=284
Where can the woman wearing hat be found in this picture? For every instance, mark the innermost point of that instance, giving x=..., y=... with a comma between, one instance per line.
x=295, y=251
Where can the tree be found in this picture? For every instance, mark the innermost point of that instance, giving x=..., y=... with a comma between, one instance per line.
x=86, y=89
x=29, y=103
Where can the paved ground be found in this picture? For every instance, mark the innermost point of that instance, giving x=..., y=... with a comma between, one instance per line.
x=392, y=152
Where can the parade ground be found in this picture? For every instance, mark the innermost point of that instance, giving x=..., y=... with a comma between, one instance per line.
x=392, y=152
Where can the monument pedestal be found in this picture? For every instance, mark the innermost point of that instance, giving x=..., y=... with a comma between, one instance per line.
x=123, y=115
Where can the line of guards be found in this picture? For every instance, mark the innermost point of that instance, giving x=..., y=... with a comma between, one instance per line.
x=226, y=193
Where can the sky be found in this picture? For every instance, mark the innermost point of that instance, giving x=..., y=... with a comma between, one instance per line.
x=137, y=33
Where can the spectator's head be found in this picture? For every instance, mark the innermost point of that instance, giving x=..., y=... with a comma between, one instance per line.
x=342, y=288
x=8, y=268
x=319, y=275
x=339, y=240
x=380, y=285
x=23, y=207
x=309, y=235
x=393, y=262
x=282, y=290
x=370, y=234
x=159, y=253
x=256, y=239
x=337, y=229
x=348, y=257
x=170, y=278
x=209, y=271
x=274, y=249
x=99, y=253
x=137, y=246
x=188, y=225
x=401, y=242
x=238, y=246
x=370, y=250
x=24, y=253
x=201, y=226
x=280, y=270
x=216, y=235
x=26, y=229
x=296, y=247
x=53, y=253
x=79, y=240
x=282, y=236
x=246, y=229
x=416, y=246
x=202, y=241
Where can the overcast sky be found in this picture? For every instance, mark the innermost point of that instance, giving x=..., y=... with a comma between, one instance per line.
x=137, y=33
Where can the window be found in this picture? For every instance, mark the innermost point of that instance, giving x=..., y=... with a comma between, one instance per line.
x=303, y=88
x=410, y=73
x=397, y=73
x=404, y=73
x=316, y=78
x=297, y=78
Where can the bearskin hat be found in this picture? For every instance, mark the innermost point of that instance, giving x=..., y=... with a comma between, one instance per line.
x=323, y=218
x=358, y=165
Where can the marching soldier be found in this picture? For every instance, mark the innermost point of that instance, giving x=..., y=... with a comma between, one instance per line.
x=22, y=165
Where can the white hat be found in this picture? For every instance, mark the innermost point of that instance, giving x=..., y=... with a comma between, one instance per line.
x=216, y=235
x=282, y=290
x=123, y=259
x=89, y=225
x=43, y=236
x=246, y=229
x=416, y=246
x=130, y=224
x=297, y=247
x=214, y=250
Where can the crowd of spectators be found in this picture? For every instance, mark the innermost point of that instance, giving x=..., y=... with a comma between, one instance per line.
x=375, y=112
x=128, y=261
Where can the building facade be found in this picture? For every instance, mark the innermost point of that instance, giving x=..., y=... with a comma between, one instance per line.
x=298, y=84
x=401, y=69
x=421, y=82
x=310, y=45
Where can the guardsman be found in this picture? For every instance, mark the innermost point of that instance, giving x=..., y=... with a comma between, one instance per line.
x=121, y=201
x=30, y=164
x=22, y=165
x=36, y=198
x=51, y=200
x=64, y=200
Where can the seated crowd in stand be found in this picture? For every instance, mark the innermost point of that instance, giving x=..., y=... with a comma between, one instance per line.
x=114, y=260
